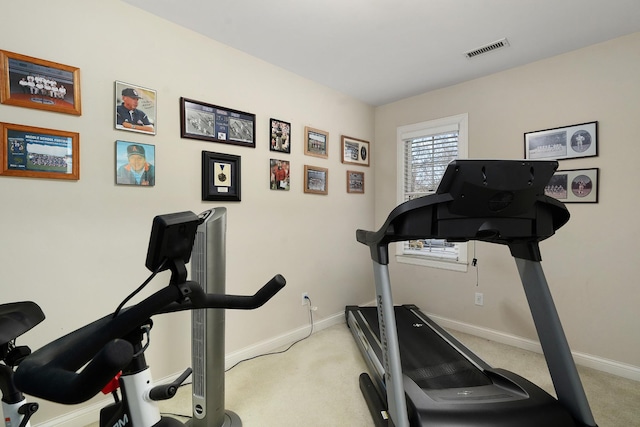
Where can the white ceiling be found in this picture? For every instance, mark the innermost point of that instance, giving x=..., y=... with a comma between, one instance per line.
x=380, y=51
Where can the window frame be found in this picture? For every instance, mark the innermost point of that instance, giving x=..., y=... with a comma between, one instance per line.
x=431, y=127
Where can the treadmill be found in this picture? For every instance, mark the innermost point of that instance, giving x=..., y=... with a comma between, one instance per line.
x=423, y=376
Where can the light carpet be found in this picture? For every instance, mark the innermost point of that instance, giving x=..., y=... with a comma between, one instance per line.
x=315, y=384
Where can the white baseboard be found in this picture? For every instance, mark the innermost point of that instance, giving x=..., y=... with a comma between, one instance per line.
x=601, y=364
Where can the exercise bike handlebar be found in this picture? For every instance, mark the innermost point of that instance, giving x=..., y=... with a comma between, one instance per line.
x=51, y=372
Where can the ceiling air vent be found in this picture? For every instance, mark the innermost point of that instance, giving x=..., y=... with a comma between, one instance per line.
x=499, y=44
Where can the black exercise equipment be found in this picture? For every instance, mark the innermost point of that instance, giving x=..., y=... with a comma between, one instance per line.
x=423, y=376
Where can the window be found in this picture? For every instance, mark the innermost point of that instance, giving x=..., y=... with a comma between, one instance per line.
x=424, y=151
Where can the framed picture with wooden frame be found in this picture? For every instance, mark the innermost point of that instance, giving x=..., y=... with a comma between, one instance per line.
x=355, y=151
x=35, y=83
x=355, y=182
x=33, y=152
x=316, y=142
x=316, y=180
x=220, y=177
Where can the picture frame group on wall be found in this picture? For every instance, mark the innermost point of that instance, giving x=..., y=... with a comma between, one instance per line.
x=355, y=151
x=316, y=142
x=36, y=83
x=208, y=122
x=34, y=152
x=574, y=185
x=280, y=132
x=220, y=177
x=575, y=141
x=135, y=108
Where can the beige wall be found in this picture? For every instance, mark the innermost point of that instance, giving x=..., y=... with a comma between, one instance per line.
x=591, y=263
x=78, y=248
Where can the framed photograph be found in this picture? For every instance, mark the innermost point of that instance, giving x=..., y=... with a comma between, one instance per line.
x=355, y=182
x=33, y=152
x=316, y=142
x=220, y=177
x=316, y=180
x=355, y=151
x=574, y=186
x=280, y=136
x=36, y=83
x=135, y=164
x=567, y=142
x=135, y=108
x=279, y=174
x=216, y=124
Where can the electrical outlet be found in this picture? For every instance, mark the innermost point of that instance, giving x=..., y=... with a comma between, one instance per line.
x=479, y=298
x=305, y=298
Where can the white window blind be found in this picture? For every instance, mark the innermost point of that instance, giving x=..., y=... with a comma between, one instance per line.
x=426, y=150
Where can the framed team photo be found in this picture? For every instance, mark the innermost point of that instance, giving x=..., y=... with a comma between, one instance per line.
x=208, y=122
x=279, y=174
x=355, y=182
x=280, y=132
x=35, y=83
x=33, y=152
x=316, y=180
x=135, y=164
x=220, y=177
x=355, y=151
x=567, y=142
x=574, y=186
x=316, y=142
x=135, y=108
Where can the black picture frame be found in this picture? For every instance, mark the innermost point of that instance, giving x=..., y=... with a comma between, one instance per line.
x=220, y=177
x=566, y=142
x=574, y=185
x=208, y=122
x=280, y=136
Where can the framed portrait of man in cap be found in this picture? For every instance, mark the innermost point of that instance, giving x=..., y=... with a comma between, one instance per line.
x=135, y=164
x=135, y=108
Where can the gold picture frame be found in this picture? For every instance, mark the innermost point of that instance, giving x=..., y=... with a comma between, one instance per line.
x=35, y=83
x=34, y=152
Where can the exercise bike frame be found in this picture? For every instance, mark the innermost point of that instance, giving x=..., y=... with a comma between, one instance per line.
x=114, y=343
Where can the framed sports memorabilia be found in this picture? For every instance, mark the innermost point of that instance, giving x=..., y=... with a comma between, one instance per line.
x=220, y=177
x=566, y=142
x=316, y=142
x=280, y=132
x=279, y=175
x=135, y=164
x=355, y=151
x=35, y=83
x=33, y=152
x=135, y=108
x=316, y=180
x=574, y=186
x=355, y=182
x=208, y=122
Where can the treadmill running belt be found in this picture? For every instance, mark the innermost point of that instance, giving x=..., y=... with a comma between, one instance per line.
x=426, y=358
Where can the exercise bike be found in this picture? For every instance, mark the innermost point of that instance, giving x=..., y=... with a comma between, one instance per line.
x=81, y=364
x=16, y=318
